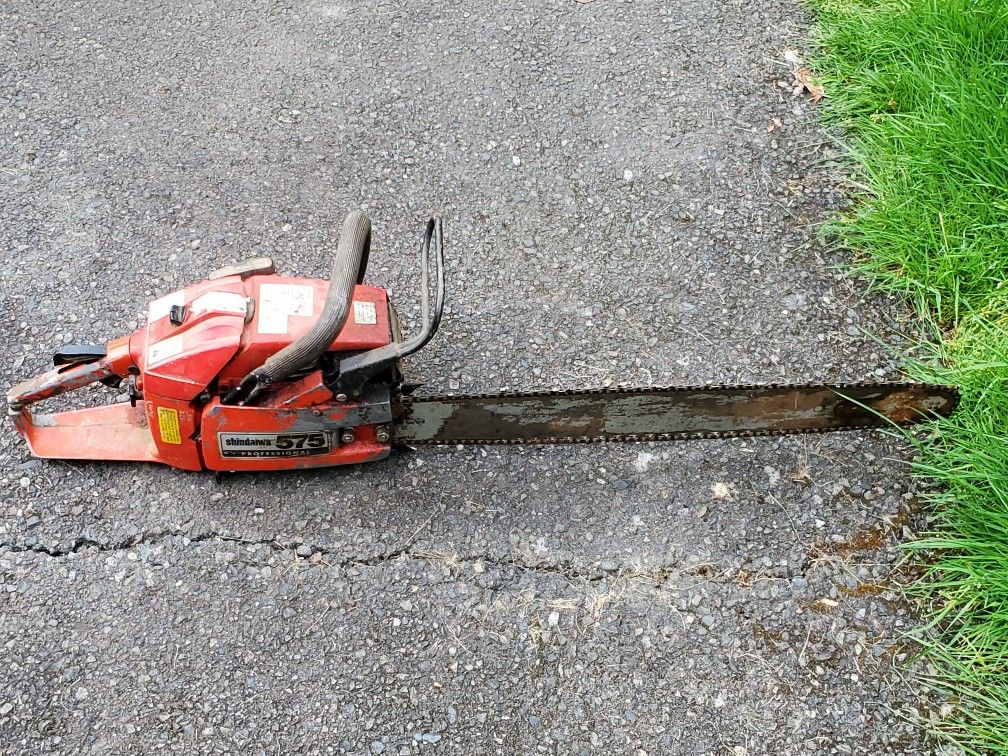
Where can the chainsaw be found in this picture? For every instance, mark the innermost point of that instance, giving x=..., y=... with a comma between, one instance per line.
x=250, y=370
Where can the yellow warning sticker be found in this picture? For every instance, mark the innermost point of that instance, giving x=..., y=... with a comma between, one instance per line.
x=168, y=423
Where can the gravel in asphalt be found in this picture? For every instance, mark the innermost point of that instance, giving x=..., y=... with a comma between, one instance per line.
x=630, y=192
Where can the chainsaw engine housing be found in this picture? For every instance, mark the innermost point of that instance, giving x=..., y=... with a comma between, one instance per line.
x=198, y=398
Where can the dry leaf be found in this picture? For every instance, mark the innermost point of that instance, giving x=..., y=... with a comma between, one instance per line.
x=721, y=491
x=805, y=80
x=828, y=602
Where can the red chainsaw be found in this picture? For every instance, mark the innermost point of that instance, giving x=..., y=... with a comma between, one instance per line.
x=250, y=370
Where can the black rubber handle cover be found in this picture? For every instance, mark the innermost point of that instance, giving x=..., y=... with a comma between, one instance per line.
x=352, y=249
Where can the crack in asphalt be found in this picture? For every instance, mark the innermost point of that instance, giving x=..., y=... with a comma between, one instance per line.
x=568, y=569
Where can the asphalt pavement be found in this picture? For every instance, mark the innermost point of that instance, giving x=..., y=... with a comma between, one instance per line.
x=631, y=191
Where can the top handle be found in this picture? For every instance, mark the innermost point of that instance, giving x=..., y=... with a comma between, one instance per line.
x=348, y=269
x=356, y=371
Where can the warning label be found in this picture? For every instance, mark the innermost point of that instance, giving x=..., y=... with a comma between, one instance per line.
x=168, y=425
x=365, y=313
x=277, y=302
x=163, y=350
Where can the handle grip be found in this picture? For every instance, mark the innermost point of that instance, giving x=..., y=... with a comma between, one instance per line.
x=357, y=370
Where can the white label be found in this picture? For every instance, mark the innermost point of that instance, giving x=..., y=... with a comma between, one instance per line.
x=164, y=350
x=279, y=301
x=160, y=308
x=364, y=313
x=220, y=301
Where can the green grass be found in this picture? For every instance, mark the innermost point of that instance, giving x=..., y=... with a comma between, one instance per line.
x=920, y=89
